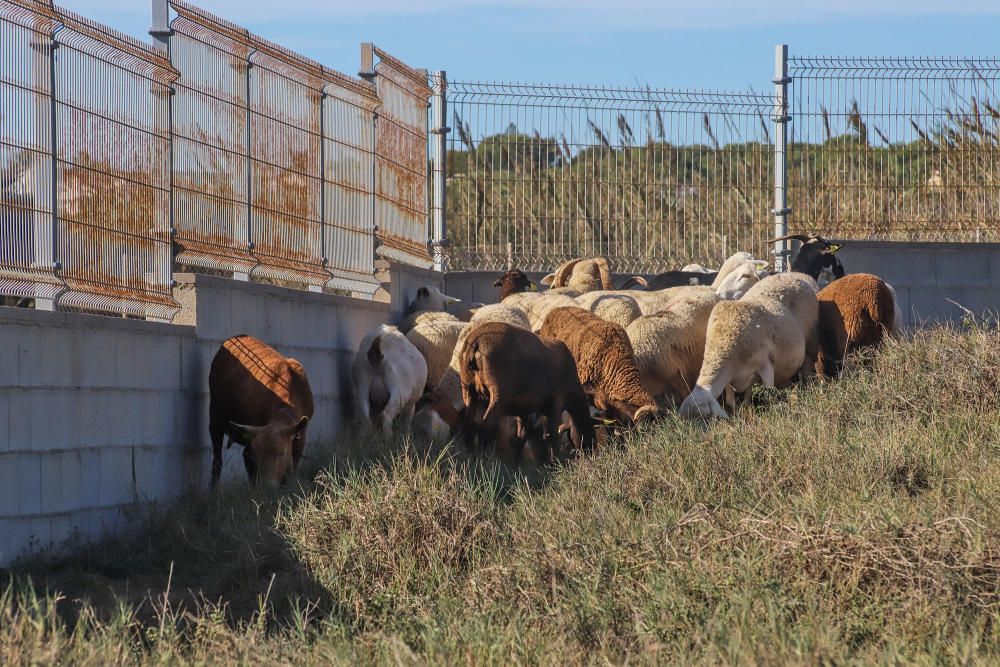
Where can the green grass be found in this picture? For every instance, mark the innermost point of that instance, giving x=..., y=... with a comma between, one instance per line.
x=846, y=522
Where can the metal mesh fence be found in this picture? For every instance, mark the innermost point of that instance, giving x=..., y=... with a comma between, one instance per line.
x=26, y=224
x=649, y=178
x=401, y=162
x=895, y=148
x=96, y=101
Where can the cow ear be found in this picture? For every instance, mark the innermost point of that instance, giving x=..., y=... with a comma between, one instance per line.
x=300, y=425
x=498, y=283
x=245, y=431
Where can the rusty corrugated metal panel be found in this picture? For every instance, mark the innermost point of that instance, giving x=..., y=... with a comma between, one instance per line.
x=26, y=261
x=113, y=170
x=401, y=212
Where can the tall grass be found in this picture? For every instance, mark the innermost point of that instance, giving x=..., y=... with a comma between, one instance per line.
x=849, y=521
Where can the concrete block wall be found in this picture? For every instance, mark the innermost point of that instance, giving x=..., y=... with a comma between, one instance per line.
x=93, y=420
x=931, y=278
x=99, y=413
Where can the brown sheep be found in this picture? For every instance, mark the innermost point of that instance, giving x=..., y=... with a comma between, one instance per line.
x=605, y=362
x=507, y=371
x=513, y=282
x=261, y=400
x=855, y=311
x=583, y=275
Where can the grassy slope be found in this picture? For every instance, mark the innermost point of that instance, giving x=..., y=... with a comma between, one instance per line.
x=852, y=521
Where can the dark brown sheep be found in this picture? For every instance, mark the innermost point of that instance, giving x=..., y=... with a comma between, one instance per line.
x=855, y=311
x=513, y=282
x=261, y=400
x=605, y=362
x=507, y=371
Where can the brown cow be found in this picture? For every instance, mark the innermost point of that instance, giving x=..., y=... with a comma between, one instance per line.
x=261, y=400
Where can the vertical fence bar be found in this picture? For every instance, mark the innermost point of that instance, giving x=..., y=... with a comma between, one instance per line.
x=160, y=31
x=368, y=73
x=780, y=122
x=440, y=132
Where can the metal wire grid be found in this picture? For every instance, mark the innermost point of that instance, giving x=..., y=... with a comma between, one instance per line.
x=895, y=148
x=26, y=224
x=104, y=108
x=652, y=179
x=348, y=138
x=401, y=164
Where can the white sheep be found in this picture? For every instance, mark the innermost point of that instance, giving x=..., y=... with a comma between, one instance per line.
x=537, y=306
x=423, y=316
x=695, y=268
x=669, y=345
x=436, y=342
x=389, y=376
x=616, y=308
x=740, y=279
x=502, y=312
x=768, y=336
x=428, y=300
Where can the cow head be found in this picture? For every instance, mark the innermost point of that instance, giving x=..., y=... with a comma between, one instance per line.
x=273, y=445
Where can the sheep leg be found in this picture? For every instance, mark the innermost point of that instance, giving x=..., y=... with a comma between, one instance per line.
x=407, y=413
x=766, y=374
x=392, y=410
x=729, y=399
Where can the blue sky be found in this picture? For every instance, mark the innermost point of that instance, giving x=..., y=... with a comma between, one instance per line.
x=715, y=44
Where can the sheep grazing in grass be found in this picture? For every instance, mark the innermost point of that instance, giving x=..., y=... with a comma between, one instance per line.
x=855, y=312
x=605, y=362
x=389, y=376
x=436, y=342
x=581, y=275
x=509, y=372
x=768, y=336
x=669, y=345
x=514, y=282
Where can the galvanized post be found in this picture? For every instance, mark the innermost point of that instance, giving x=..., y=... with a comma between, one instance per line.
x=781, y=119
x=239, y=275
x=439, y=104
x=160, y=31
x=368, y=73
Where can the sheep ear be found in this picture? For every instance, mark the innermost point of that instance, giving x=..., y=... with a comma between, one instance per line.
x=498, y=283
x=423, y=292
x=547, y=280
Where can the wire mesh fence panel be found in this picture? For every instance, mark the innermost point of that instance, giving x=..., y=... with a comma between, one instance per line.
x=286, y=165
x=210, y=142
x=895, y=148
x=401, y=166
x=348, y=197
x=112, y=146
x=26, y=252
x=651, y=179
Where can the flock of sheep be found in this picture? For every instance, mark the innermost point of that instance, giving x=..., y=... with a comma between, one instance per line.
x=583, y=355
x=576, y=359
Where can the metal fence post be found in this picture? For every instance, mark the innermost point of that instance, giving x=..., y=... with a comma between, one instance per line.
x=439, y=103
x=161, y=32
x=368, y=73
x=780, y=119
